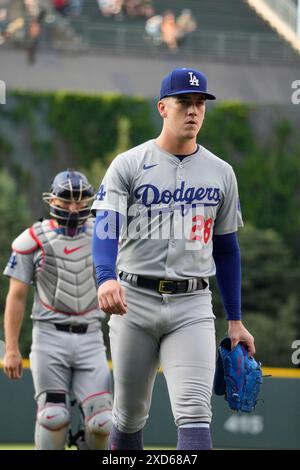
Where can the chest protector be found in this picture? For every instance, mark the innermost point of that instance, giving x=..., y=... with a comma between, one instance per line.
x=65, y=279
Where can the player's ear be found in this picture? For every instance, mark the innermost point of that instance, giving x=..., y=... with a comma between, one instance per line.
x=161, y=106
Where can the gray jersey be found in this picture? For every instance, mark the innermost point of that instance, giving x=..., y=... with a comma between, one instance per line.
x=172, y=208
x=61, y=269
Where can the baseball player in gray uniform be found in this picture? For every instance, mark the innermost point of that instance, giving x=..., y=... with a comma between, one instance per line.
x=175, y=206
x=68, y=353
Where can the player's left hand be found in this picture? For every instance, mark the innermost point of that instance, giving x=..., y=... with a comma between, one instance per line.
x=239, y=334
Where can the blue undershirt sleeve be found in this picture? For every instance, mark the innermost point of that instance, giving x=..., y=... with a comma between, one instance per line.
x=226, y=254
x=105, y=244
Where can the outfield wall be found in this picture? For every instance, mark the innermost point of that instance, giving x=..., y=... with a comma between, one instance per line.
x=275, y=424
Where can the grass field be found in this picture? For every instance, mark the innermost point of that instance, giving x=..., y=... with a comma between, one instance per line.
x=31, y=447
x=16, y=446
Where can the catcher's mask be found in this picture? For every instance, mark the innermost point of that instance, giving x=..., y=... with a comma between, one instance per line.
x=70, y=186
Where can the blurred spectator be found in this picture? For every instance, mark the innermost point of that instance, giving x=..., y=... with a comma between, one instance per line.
x=131, y=7
x=75, y=7
x=34, y=17
x=21, y=22
x=3, y=24
x=146, y=8
x=32, y=22
x=153, y=28
x=166, y=29
x=14, y=26
x=32, y=8
x=169, y=30
x=186, y=24
x=140, y=8
x=31, y=41
x=110, y=7
x=61, y=6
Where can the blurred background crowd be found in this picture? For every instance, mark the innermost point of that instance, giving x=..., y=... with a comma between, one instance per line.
x=24, y=20
x=210, y=27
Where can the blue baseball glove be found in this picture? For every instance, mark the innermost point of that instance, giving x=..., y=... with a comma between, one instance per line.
x=238, y=376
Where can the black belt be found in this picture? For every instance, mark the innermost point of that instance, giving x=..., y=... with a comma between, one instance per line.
x=80, y=329
x=165, y=286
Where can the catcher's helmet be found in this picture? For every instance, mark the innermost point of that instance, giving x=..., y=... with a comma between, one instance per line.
x=70, y=186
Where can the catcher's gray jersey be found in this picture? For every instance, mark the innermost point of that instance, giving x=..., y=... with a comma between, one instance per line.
x=172, y=208
x=61, y=269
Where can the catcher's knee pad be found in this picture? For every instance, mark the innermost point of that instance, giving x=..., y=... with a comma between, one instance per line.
x=97, y=420
x=53, y=419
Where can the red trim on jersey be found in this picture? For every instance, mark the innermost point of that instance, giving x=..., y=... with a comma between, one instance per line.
x=50, y=404
x=97, y=412
x=52, y=224
x=95, y=395
x=35, y=238
x=27, y=252
x=66, y=313
x=56, y=429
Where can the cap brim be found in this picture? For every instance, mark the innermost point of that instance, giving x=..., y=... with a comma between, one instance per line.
x=208, y=96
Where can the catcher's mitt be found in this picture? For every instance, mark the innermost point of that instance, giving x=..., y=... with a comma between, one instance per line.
x=238, y=376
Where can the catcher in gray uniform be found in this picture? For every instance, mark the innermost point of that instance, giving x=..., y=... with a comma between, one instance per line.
x=175, y=206
x=67, y=353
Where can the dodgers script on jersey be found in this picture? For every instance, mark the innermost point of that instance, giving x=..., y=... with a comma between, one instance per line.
x=171, y=208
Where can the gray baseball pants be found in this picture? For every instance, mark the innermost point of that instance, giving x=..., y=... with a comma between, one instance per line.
x=175, y=332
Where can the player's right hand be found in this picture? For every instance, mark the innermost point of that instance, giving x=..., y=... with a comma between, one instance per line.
x=111, y=298
x=13, y=364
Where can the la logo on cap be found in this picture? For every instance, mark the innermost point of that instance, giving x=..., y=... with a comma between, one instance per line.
x=193, y=79
x=185, y=80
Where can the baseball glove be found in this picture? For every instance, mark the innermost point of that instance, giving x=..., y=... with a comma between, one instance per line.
x=238, y=376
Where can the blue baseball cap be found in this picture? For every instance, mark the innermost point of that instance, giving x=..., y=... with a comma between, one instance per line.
x=181, y=81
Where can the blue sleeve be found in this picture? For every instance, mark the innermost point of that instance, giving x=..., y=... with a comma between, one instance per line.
x=105, y=245
x=226, y=253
